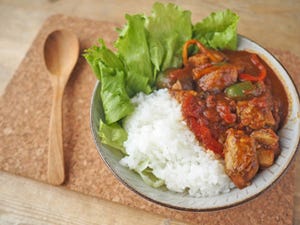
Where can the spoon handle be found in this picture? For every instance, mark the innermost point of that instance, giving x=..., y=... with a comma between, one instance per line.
x=56, y=170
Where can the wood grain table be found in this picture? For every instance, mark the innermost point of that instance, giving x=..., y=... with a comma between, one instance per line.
x=273, y=24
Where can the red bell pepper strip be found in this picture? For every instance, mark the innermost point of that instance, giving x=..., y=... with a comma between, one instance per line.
x=261, y=76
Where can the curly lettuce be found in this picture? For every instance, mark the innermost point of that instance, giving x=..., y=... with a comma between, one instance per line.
x=218, y=31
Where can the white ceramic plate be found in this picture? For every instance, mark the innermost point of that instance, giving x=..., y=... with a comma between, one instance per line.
x=289, y=139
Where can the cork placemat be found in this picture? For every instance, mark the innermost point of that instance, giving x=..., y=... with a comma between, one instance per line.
x=24, y=120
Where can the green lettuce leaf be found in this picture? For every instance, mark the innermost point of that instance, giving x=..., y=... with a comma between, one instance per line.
x=169, y=27
x=101, y=53
x=218, y=31
x=112, y=135
x=116, y=102
x=109, y=69
x=133, y=49
x=150, y=179
x=147, y=175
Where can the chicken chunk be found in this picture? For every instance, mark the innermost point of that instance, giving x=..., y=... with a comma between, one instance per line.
x=219, y=79
x=266, y=138
x=256, y=113
x=267, y=146
x=241, y=162
x=265, y=157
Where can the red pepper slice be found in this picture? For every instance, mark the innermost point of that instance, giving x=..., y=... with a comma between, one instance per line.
x=261, y=76
x=213, y=57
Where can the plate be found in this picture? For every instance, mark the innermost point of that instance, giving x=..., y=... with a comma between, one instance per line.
x=289, y=141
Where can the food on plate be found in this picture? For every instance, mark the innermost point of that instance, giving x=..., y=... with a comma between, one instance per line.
x=188, y=110
x=234, y=104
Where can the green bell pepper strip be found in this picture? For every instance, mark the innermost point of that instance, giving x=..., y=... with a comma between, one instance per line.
x=240, y=90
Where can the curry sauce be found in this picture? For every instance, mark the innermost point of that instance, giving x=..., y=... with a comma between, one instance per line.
x=234, y=104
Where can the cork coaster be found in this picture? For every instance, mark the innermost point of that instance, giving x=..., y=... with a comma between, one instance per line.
x=24, y=119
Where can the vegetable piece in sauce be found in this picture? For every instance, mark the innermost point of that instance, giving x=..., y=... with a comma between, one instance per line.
x=261, y=76
x=214, y=56
x=239, y=90
x=245, y=90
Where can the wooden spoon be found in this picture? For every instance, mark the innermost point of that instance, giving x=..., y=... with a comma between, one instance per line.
x=60, y=53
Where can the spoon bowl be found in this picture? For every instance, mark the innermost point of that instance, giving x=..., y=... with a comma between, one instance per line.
x=61, y=52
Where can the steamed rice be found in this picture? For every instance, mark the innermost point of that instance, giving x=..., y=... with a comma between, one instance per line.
x=159, y=139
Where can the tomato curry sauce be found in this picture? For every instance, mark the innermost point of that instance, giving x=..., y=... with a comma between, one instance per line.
x=234, y=104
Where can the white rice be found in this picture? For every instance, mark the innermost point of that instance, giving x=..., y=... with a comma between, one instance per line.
x=159, y=139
